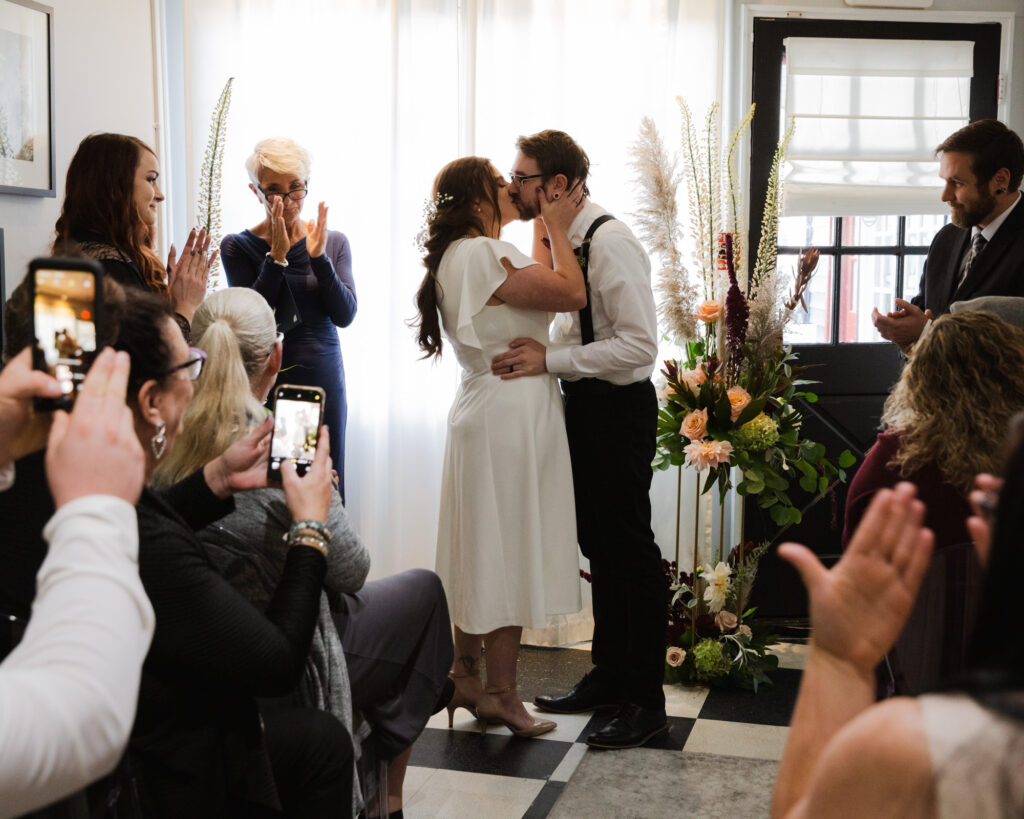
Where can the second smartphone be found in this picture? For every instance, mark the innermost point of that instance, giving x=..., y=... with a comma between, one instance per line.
x=298, y=414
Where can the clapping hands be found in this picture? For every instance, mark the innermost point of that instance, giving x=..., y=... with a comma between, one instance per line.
x=316, y=236
x=859, y=607
x=187, y=276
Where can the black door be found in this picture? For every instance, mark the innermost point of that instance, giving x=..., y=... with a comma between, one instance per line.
x=855, y=374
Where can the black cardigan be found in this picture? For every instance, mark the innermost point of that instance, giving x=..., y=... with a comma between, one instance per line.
x=196, y=747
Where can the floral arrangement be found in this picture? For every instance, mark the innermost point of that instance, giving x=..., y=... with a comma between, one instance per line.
x=711, y=638
x=208, y=207
x=728, y=402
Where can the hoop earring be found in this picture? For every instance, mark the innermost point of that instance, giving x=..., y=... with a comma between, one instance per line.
x=158, y=443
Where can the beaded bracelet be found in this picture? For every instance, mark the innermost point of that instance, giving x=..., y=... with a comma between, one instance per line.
x=313, y=542
x=313, y=525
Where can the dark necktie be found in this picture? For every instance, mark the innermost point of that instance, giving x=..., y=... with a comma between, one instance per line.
x=977, y=245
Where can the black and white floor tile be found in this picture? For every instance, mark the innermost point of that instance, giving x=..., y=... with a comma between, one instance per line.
x=461, y=773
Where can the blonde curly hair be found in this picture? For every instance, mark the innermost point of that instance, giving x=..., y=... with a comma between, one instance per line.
x=954, y=401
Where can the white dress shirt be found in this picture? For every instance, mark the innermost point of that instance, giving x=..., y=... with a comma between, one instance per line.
x=625, y=345
x=68, y=690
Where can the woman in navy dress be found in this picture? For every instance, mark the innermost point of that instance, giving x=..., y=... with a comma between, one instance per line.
x=304, y=271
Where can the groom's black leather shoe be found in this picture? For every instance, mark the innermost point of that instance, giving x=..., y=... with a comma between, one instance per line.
x=631, y=727
x=588, y=695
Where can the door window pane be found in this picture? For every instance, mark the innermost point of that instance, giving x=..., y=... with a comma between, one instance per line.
x=913, y=267
x=866, y=282
x=813, y=325
x=805, y=231
x=866, y=231
x=921, y=229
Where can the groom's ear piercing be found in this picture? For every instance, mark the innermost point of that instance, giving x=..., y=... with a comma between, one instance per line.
x=557, y=195
x=1000, y=190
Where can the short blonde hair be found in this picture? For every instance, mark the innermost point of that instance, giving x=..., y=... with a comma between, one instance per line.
x=280, y=155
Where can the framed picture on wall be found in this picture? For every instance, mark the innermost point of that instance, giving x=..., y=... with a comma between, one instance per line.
x=27, y=160
x=3, y=290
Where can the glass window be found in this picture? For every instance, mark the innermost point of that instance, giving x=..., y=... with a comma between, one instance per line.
x=805, y=231
x=813, y=325
x=913, y=267
x=867, y=231
x=866, y=282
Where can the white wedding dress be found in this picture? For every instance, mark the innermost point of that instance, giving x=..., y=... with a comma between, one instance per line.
x=506, y=543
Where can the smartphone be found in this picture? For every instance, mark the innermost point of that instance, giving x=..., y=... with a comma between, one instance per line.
x=298, y=414
x=67, y=312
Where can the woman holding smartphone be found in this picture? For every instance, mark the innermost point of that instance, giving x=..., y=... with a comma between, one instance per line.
x=304, y=271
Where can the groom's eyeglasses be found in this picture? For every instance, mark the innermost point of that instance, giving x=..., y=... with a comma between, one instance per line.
x=520, y=178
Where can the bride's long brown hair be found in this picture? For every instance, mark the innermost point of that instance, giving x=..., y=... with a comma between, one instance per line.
x=99, y=204
x=458, y=189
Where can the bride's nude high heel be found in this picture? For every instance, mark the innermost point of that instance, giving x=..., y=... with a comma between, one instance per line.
x=460, y=699
x=488, y=711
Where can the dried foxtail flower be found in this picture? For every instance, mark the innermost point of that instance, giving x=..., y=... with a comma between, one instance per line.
x=734, y=224
x=767, y=247
x=658, y=222
x=208, y=206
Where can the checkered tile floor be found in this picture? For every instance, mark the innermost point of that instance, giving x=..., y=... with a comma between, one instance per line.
x=460, y=773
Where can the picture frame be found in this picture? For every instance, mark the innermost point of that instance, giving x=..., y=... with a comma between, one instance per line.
x=27, y=157
x=3, y=291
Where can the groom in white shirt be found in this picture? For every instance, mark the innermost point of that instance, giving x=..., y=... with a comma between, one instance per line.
x=604, y=356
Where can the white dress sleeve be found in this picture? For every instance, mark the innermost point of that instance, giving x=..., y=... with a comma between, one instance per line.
x=470, y=273
x=68, y=690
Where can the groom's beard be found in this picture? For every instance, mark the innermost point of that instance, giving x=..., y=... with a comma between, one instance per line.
x=527, y=212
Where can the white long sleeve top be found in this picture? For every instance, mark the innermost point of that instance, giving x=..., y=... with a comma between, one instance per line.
x=625, y=346
x=68, y=691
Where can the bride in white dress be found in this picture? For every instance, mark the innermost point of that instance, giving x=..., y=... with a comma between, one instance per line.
x=506, y=545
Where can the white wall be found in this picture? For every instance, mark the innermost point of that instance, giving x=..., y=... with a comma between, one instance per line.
x=103, y=81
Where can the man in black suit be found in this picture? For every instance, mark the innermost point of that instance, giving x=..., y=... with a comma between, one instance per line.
x=982, y=252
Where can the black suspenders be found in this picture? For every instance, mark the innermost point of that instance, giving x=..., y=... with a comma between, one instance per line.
x=583, y=255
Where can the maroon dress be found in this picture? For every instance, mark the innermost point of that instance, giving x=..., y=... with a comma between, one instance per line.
x=932, y=647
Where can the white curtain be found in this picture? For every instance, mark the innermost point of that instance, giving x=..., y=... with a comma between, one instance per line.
x=868, y=115
x=384, y=93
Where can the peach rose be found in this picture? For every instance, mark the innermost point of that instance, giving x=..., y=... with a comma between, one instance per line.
x=695, y=425
x=726, y=621
x=703, y=455
x=693, y=379
x=709, y=311
x=744, y=631
x=738, y=399
x=675, y=656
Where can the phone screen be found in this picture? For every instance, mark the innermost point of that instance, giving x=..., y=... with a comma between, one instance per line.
x=64, y=315
x=297, y=414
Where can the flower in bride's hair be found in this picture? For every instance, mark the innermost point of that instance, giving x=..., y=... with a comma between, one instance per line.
x=709, y=454
x=430, y=208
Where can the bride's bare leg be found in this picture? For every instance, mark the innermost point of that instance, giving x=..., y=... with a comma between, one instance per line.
x=466, y=666
x=502, y=653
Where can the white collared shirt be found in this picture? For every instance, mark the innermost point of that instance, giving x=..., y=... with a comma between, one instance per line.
x=990, y=229
x=68, y=689
x=625, y=346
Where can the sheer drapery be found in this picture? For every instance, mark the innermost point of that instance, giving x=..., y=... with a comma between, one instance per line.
x=384, y=93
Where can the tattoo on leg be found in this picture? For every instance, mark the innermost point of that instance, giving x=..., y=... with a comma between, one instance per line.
x=469, y=664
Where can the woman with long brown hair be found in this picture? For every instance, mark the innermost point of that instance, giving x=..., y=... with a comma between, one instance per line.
x=109, y=214
x=506, y=546
x=944, y=422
